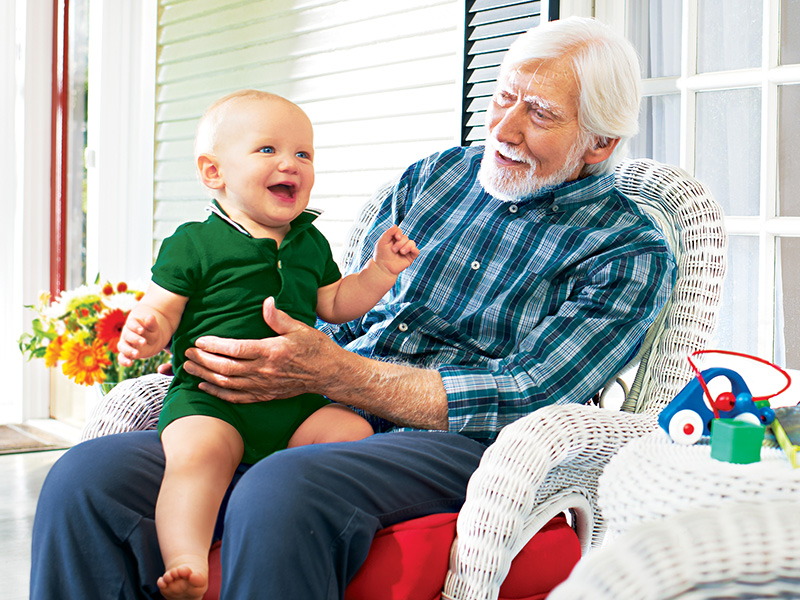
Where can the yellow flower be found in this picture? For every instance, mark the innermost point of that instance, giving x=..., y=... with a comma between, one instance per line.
x=85, y=363
x=53, y=352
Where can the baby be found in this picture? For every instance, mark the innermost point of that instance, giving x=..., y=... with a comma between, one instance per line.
x=255, y=152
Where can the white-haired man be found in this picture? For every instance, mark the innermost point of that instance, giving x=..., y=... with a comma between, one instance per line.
x=535, y=283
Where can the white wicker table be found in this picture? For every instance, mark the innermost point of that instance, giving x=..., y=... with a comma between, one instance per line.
x=652, y=478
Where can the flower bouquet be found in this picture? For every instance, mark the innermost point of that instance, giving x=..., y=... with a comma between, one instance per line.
x=81, y=328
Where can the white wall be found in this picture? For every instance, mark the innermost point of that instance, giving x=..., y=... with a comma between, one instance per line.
x=379, y=80
x=25, y=64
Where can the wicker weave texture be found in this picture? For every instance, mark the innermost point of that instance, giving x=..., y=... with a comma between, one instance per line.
x=133, y=405
x=737, y=550
x=652, y=478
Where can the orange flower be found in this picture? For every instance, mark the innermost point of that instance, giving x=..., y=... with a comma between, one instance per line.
x=53, y=352
x=109, y=328
x=85, y=363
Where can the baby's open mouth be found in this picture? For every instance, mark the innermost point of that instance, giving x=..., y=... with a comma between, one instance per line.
x=283, y=190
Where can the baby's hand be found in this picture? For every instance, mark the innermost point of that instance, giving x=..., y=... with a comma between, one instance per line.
x=394, y=251
x=138, y=339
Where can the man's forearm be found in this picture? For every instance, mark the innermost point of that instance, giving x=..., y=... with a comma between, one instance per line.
x=405, y=395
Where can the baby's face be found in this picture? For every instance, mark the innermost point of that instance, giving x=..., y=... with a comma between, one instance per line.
x=266, y=154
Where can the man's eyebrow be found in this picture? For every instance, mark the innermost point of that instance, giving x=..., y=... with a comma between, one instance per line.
x=534, y=100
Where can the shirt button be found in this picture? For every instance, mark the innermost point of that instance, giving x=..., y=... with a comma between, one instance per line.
x=402, y=327
x=554, y=208
x=475, y=265
x=513, y=209
x=279, y=264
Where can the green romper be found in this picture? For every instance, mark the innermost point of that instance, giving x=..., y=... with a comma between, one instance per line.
x=226, y=275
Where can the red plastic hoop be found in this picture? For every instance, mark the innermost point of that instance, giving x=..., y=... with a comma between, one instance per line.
x=740, y=355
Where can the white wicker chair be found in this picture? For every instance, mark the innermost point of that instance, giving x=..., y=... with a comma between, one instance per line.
x=737, y=550
x=550, y=461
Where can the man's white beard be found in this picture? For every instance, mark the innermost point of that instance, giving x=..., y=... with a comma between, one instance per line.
x=508, y=185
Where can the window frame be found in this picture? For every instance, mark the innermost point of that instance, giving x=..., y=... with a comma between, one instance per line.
x=768, y=226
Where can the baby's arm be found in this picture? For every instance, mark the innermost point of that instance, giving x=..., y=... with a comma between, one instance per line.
x=150, y=324
x=354, y=295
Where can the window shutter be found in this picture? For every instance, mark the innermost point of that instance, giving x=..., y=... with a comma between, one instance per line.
x=491, y=27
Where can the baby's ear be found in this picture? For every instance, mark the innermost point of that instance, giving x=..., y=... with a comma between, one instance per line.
x=209, y=171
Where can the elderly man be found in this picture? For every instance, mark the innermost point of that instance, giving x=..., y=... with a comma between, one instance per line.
x=535, y=283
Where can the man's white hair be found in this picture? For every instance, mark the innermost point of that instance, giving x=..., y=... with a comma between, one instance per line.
x=607, y=72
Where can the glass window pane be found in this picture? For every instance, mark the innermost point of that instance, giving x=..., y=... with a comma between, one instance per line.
x=75, y=258
x=655, y=31
x=790, y=40
x=738, y=320
x=728, y=148
x=729, y=34
x=787, y=309
x=789, y=150
x=659, y=129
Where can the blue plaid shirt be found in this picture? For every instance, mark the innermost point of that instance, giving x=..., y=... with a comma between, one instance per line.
x=517, y=305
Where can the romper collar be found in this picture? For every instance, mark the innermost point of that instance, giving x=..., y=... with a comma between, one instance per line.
x=307, y=216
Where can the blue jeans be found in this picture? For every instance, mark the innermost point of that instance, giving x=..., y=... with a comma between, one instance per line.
x=298, y=524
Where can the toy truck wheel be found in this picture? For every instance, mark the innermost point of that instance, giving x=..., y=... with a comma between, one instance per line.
x=685, y=427
x=748, y=418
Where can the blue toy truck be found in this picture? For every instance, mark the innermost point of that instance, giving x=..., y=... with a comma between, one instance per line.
x=688, y=417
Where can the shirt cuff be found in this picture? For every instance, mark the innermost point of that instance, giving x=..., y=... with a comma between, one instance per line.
x=472, y=401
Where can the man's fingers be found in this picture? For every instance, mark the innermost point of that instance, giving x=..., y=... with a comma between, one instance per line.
x=207, y=364
x=226, y=347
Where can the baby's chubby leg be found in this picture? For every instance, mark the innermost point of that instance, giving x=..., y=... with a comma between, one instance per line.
x=331, y=423
x=202, y=454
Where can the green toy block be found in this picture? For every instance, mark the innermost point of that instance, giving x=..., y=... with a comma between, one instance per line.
x=736, y=441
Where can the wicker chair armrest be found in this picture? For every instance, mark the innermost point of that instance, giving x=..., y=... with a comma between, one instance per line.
x=738, y=550
x=539, y=466
x=132, y=405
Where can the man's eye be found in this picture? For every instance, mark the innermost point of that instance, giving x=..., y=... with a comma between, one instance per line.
x=267, y=150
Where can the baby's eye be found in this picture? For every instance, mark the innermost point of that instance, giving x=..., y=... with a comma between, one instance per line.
x=303, y=154
x=267, y=150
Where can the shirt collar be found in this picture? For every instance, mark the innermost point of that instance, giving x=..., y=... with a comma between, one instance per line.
x=575, y=192
x=308, y=216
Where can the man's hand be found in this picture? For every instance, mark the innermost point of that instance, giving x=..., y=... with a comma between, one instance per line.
x=298, y=360
x=301, y=359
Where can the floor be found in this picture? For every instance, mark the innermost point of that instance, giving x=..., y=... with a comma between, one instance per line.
x=22, y=476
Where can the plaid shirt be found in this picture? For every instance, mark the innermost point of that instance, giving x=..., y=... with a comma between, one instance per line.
x=517, y=305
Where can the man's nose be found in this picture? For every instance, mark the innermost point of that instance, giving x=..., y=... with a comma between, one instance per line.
x=509, y=125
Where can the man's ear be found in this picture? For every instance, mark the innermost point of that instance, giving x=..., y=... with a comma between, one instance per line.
x=210, y=173
x=600, y=151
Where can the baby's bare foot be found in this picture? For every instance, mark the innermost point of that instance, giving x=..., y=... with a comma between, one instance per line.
x=183, y=583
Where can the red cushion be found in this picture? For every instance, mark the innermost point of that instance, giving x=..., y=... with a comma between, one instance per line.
x=410, y=559
x=406, y=560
